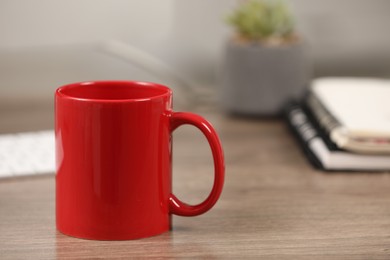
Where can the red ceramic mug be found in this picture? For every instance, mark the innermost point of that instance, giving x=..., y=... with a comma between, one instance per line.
x=113, y=157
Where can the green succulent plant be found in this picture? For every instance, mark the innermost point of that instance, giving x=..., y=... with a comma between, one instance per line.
x=261, y=20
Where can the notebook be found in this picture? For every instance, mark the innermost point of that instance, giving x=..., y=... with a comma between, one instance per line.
x=355, y=112
x=322, y=152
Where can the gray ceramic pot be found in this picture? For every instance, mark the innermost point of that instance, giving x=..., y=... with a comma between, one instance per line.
x=259, y=80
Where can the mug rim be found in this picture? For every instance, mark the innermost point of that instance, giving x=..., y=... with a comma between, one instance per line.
x=166, y=91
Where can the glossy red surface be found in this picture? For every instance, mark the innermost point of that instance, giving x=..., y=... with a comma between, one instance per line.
x=113, y=157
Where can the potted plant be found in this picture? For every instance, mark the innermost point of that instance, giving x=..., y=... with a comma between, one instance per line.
x=264, y=64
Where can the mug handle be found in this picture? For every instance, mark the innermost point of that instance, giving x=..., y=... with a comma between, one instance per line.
x=178, y=207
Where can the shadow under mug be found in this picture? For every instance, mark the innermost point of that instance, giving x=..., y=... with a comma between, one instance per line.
x=114, y=160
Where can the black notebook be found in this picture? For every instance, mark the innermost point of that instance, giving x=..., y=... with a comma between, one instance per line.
x=322, y=152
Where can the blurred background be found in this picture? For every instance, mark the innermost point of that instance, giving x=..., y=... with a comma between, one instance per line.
x=46, y=43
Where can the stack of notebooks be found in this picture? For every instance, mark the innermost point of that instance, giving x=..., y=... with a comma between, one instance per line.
x=344, y=124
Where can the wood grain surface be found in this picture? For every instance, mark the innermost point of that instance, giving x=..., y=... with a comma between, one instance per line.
x=274, y=205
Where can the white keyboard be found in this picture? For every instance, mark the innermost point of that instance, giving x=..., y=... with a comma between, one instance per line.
x=30, y=153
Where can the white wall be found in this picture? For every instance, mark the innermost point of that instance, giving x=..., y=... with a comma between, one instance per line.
x=38, y=51
x=345, y=37
x=46, y=43
x=49, y=22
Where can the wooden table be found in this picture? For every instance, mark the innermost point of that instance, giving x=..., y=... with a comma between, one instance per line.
x=274, y=204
